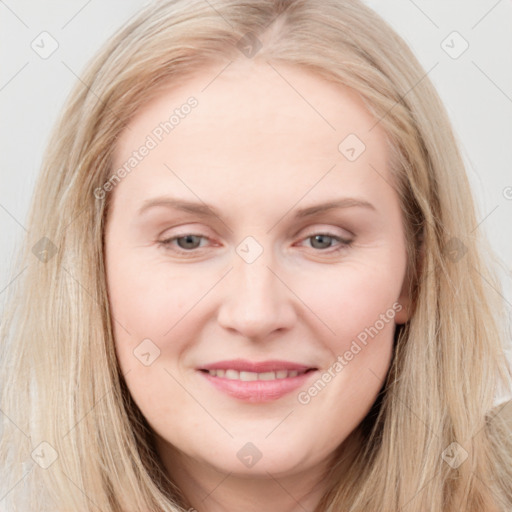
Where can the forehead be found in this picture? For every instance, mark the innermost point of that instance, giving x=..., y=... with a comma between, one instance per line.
x=257, y=126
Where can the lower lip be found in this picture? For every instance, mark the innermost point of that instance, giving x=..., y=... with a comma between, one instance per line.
x=258, y=390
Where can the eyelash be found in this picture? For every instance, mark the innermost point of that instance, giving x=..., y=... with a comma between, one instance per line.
x=343, y=243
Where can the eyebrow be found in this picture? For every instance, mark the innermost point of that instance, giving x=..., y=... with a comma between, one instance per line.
x=206, y=210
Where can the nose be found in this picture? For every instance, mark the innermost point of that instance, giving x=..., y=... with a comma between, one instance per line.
x=256, y=301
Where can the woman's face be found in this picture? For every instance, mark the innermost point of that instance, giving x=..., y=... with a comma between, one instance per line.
x=222, y=254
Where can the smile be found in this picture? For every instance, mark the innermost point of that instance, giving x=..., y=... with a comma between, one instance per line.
x=256, y=382
x=252, y=376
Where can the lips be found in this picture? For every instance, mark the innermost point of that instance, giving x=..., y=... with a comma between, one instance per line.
x=232, y=374
x=256, y=381
x=243, y=365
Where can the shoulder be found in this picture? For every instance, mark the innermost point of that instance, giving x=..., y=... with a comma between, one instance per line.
x=501, y=414
x=499, y=429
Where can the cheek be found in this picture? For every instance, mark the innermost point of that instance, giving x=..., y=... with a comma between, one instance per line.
x=151, y=308
x=358, y=303
x=361, y=311
x=352, y=300
x=149, y=300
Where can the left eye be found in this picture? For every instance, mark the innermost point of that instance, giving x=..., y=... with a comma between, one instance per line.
x=189, y=242
x=322, y=238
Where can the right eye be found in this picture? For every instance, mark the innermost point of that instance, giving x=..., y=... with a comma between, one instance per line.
x=186, y=243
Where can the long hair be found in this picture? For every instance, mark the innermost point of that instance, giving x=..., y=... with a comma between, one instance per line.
x=73, y=439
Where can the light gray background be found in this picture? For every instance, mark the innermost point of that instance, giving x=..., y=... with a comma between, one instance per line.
x=476, y=88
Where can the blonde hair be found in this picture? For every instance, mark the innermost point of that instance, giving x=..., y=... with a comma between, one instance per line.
x=62, y=385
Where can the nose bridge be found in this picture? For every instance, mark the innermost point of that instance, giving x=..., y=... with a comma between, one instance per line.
x=256, y=302
x=255, y=282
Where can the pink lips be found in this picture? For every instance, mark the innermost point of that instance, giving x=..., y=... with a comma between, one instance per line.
x=242, y=365
x=257, y=390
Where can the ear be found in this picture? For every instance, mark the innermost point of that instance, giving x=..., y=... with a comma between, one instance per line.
x=405, y=299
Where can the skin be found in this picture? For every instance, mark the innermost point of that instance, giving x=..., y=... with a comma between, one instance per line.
x=256, y=151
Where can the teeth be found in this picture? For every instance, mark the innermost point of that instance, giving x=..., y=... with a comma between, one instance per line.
x=232, y=374
x=252, y=376
x=246, y=376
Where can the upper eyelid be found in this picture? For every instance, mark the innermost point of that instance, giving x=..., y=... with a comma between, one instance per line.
x=327, y=230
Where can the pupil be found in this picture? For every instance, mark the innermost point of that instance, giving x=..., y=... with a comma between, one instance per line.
x=189, y=239
x=322, y=239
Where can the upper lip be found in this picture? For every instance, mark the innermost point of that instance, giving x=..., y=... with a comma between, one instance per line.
x=243, y=365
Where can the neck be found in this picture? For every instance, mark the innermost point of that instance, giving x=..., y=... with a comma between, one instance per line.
x=207, y=489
